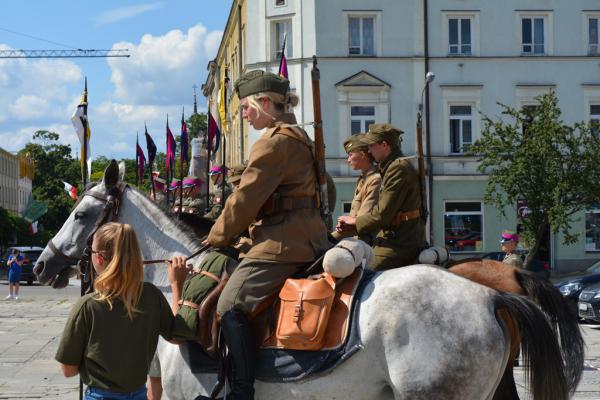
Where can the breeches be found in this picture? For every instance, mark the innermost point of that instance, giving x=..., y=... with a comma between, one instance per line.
x=388, y=258
x=254, y=281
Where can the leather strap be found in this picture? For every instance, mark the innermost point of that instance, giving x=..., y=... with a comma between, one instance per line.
x=297, y=203
x=188, y=303
x=211, y=275
x=405, y=216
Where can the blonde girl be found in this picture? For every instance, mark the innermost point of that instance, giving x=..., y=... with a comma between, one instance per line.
x=112, y=333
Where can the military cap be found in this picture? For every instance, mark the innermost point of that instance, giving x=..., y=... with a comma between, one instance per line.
x=217, y=169
x=355, y=143
x=379, y=132
x=260, y=81
x=235, y=173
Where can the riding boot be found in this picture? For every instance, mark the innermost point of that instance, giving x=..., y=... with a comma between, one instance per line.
x=239, y=339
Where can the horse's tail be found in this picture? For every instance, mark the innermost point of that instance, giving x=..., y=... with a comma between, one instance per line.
x=562, y=319
x=543, y=362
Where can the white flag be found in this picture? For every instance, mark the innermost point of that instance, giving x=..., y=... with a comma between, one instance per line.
x=82, y=128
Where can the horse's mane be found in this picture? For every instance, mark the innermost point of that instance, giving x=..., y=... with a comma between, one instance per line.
x=452, y=263
x=195, y=226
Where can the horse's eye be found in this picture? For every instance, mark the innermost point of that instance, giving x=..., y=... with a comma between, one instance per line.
x=79, y=215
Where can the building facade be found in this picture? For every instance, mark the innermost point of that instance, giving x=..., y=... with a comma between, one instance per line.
x=9, y=181
x=373, y=56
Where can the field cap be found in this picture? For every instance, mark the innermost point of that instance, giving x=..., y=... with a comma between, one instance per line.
x=509, y=236
x=379, y=132
x=235, y=173
x=355, y=143
x=260, y=81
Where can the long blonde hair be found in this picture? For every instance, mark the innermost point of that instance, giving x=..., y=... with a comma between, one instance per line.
x=283, y=104
x=124, y=274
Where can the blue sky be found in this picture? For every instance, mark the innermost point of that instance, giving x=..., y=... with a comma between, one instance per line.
x=170, y=43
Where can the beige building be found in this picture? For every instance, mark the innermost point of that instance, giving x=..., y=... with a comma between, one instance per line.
x=9, y=181
x=229, y=62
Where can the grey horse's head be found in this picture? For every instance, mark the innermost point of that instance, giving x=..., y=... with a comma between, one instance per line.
x=56, y=265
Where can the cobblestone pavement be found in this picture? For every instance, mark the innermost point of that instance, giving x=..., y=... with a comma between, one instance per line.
x=30, y=329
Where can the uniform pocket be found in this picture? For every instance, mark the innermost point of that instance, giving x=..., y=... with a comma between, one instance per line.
x=267, y=234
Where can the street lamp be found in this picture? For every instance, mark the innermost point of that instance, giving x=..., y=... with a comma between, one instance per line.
x=429, y=77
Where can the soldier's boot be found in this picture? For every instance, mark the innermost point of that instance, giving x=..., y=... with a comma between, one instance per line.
x=239, y=340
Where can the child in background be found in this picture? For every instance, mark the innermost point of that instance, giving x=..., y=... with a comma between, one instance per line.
x=15, y=262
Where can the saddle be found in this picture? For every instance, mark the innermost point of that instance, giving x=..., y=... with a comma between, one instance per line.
x=307, y=314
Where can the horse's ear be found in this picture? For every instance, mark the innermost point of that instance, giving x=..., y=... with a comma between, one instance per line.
x=111, y=174
x=121, y=170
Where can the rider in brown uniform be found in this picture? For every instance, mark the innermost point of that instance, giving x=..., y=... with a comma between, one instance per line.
x=366, y=193
x=277, y=200
x=397, y=218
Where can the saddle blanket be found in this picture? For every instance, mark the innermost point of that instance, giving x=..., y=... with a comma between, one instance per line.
x=280, y=365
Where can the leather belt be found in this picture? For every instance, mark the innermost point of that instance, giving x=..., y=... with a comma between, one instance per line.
x=404, y=217
x=275, y=204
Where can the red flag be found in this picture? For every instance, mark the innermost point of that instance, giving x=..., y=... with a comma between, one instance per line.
x=170, y=148
x=141, y=161
x=71, y=190
x=283, y=66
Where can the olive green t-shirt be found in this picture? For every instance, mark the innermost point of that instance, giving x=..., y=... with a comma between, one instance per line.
x=112, y=351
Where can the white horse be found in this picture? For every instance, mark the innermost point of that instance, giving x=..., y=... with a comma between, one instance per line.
x=427, y=334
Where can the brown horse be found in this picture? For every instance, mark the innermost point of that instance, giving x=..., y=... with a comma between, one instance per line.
x=507, y=278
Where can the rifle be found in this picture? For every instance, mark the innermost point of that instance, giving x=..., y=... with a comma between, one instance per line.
x=319, y=144
x=421, y=169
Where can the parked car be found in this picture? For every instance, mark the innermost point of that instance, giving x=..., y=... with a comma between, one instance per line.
x=572, y=286
x=30, y=256
x=538, y=267
x=589, y=303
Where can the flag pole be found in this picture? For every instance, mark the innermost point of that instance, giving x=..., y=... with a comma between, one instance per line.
x=168, y=167
x=151, y=164
x=85, y=135
x=223, y=144
x=208, y=147
x=137, y=162
x=181, y=166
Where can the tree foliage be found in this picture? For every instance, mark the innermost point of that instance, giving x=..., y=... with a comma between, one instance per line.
x=531, y=154
x=53, y=165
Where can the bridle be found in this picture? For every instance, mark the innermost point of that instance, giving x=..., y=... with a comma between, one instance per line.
x=110, y=212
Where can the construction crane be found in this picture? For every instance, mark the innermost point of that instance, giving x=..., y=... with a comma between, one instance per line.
x=79, y=53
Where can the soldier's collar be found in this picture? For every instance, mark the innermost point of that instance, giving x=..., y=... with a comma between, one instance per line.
x=285, y=118
x=393, y=155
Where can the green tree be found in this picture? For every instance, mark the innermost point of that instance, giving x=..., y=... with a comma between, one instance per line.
x=531, y=154
x=197, y=123
x=53, y=165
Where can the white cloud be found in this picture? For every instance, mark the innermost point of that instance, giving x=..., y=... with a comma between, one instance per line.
x=155, y=81
x=122, y=147
x=121, y=13
x=163, y=69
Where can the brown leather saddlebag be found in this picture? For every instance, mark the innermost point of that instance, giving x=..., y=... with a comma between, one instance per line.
x=304, y=309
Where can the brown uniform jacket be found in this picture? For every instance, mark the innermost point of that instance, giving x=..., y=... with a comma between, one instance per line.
x=365, y=198
x=399, y=193
x=282, y=160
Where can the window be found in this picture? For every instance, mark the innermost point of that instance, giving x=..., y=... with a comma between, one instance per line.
x=595, y=118
x=279, y=3
x=592, y=229
x=361, y=34
x=346, y=207
x=532, y=35
x=361, y=117
x=459, y=36
x=463, y=226
x=461, y=132
x=282, y=30
x=593, y=36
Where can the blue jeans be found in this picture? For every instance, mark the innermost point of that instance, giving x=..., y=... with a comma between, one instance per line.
x=92, y=393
